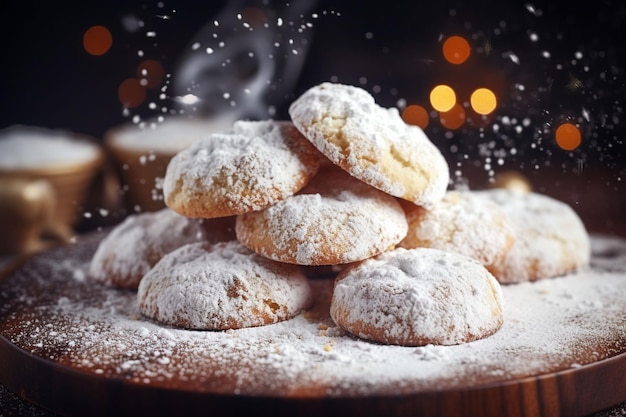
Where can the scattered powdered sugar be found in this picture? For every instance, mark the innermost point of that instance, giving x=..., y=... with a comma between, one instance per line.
x=30, y=147
x=549, y=325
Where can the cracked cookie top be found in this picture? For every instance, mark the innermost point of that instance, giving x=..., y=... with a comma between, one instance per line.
x=371, y=143
x=251, y=166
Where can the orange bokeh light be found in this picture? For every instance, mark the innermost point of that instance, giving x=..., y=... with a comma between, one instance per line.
x=415, y=114
x=456, y=50
x=442, y=98
x=568, y=137
x=97, y=40
x=151, y=72
x=453, y=118
x=483, y=101
x=131, y=93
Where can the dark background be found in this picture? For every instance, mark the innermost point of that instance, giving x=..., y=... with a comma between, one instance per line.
x=573, y=70
x=392, y=49
x=48, y=79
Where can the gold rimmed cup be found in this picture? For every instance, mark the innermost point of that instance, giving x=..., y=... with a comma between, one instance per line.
x=45, y=179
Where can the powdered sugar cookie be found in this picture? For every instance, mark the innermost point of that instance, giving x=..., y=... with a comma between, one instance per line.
x=551, y=240
x=415, y=297
x=372, y=143
x=135, y=245
x=336, y=219
x=254, y=165
x=464, y=222
x=221, y=286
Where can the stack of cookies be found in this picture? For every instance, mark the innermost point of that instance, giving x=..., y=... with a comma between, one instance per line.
x=348, y=186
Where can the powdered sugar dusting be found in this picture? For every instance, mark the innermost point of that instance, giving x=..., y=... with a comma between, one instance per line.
x=549, y=325
x=550, y=237
x=371, y=142
x=463, y=222
x=221, y=286
x=353, y=237
x=418, y=296
x=336, y=219
x=248, y=167
x=135, y=245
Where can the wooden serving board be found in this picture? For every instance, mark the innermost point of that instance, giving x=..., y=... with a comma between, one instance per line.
x=79, y=348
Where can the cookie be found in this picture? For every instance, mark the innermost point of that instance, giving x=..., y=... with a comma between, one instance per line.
x=371, y=143
x=250, y=167
x=464, y=222
x=416, y=297
x=136, y=244
x=551, y=239
x=336, y=219
x=221, y=286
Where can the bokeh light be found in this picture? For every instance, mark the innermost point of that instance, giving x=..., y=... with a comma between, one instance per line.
x=131, y=93
x=453, y=118
x=151, y=73
x=456, y=50
x=512, y=180
x=415, y=114
x=97, y=40
x=483, y=101
x=442, y=98
x=567, y=137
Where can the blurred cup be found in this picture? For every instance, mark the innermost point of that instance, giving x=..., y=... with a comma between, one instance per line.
x=26, y=210
x=45, y=177
x=141, y=153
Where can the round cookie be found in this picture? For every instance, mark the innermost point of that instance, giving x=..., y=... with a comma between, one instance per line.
x=255, y=164
x=221, y=286
x=135, y=245
x=551, y=240
x=336, y=219
x=464, y=222
x=415, y=297
x=372, y=143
